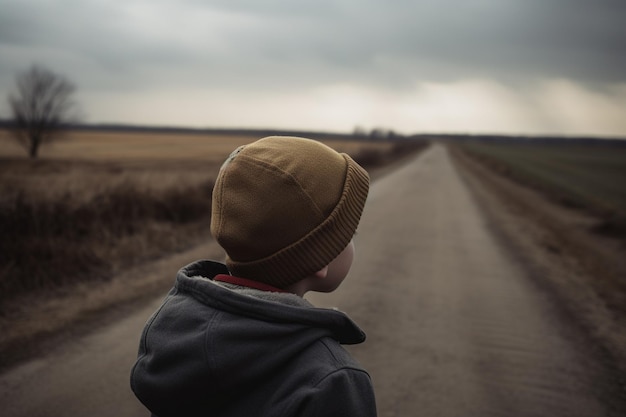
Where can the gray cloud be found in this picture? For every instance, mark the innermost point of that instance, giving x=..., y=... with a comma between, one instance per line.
x=450, y=39
x=282, y=41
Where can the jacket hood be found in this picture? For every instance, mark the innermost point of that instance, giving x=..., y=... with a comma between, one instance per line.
x=207, y=344
x=190, y=280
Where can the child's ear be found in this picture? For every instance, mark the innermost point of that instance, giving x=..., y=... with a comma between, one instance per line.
x=322, y=272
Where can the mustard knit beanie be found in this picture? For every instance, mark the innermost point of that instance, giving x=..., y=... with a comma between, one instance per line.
x=285, y=207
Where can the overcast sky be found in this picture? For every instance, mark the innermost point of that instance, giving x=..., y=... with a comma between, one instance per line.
x=494, y=66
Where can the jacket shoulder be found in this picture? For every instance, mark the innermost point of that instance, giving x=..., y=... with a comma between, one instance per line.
x=338, y=385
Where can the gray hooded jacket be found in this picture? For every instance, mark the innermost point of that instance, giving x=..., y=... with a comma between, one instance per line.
x=216, y=351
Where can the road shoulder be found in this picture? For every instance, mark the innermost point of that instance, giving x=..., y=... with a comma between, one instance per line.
x=555, y=243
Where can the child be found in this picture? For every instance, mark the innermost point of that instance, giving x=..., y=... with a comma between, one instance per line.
x=239, y=339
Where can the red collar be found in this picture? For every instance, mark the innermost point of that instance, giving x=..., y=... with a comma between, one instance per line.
x=243, y=282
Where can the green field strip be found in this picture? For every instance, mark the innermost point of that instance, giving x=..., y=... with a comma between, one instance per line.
x=589, y=176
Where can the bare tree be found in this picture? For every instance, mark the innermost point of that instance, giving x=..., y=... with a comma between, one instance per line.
x=42, y=107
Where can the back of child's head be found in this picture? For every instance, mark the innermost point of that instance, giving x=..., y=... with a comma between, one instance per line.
x=285, y=207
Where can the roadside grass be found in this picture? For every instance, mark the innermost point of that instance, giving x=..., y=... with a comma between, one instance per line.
x=132, y=198
x=46, y=244
x=590, y=176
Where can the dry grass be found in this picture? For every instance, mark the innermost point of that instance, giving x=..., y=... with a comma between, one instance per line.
x=99, y=202
x=128, y=146
x=88, y=228
x=139, y=146
x=86, y=163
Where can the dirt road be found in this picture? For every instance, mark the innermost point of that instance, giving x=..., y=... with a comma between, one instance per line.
x=455, y=325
